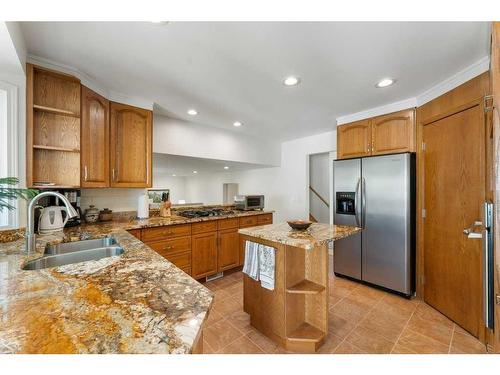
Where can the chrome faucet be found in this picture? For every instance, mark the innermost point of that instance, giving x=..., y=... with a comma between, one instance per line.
x=30, y=230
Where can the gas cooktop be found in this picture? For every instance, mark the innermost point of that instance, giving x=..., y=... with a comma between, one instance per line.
x=205, y=213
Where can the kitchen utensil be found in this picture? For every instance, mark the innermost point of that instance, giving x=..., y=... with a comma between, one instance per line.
x=106, y=215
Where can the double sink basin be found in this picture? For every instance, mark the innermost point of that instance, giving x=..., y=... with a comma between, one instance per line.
x=75, y=252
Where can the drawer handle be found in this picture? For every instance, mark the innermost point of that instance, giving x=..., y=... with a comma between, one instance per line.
x=166, y=232
x=169, y=247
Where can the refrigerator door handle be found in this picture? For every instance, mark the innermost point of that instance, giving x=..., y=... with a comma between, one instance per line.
x=363, y=203
x=356, y=201
x=487, y=264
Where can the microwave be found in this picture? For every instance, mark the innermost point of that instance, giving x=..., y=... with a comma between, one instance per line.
x=249, y=202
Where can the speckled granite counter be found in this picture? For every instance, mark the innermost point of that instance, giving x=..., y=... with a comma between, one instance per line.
x=316, y=235
x=137, y=302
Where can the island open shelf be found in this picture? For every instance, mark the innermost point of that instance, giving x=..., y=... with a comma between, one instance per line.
x=295, y=313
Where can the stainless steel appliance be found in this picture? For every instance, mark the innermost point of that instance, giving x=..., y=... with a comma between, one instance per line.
x=378, y=194
x=249, y=202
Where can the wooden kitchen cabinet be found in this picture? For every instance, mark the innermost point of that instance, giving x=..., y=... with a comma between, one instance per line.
x=228, y=255
x=204, y=254
x=388, y=134
x=94, y=140
x=393, y=133
x=130, y=147
x=354, y=140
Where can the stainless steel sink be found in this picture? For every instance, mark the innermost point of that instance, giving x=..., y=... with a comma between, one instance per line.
x=70, y=247
x=48, y=261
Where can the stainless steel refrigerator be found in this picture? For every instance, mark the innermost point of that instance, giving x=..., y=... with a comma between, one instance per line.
x=378, y=194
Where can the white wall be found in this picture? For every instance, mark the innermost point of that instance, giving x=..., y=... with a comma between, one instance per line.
x=178, y=137
x=285, y=188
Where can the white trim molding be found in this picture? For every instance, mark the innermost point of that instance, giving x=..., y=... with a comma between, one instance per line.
x=448, y=84
x=12, y=144
x=377, y=111
x=90, y=82
x=479, y=67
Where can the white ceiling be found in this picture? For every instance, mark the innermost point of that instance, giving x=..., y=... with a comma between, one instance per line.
x=183, y=166
x=234, y=70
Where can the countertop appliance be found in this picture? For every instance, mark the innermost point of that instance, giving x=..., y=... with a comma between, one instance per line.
x=51, y=219
x=249, y=202
x=377, y=194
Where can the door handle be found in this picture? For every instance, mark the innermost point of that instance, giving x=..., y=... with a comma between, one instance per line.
x=471, y=233
x=363, y=202
x=356, y=201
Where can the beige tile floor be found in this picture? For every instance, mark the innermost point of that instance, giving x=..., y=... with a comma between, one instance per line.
x=362, y=320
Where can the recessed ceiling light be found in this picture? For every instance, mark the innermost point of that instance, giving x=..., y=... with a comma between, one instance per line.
x=195, y=172
x=291, y=81
x=237, y=124
x=385, y=82
x=192, y=112
x=173, y=175
x=160, y=22
x=226, y=167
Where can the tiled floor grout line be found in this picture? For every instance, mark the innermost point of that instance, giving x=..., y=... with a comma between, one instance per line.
x=361, y=321
x=230, y=342
x=405, y=326
x=452, y=335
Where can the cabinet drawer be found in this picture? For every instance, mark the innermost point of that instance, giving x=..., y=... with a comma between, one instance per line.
x=173, y=246
x=248, y=221
x=181, y=260
x=169, y=231
x=265, y=219
x=229, y=223
x=205, y=226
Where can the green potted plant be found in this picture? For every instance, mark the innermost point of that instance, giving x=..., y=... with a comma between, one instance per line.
x=9, y=193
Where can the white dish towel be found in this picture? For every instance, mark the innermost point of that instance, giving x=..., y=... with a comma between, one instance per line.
x=266, y=266
x=260, y=263
x=251, y=264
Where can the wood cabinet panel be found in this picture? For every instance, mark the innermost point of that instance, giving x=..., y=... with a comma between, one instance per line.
x=95, y=140
x=136, y=233
x=265, y=219
x=166, y=232
x=170, y=247
x=228, y=254
x=204, y=254
x=182, y=260
x=393, y=133
x=131, y=140
x=353, y=140
x=204, y=226
x=233, y=222
x=248, y=221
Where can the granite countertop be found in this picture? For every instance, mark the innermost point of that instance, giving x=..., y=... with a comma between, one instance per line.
x=137, y=302
x=316, y=235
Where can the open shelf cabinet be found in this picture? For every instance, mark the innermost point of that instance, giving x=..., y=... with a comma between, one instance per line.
x=53, y=127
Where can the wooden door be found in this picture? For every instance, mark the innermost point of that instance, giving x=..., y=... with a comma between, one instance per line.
x=94, y=140
x=354, y=140
x=131, y=139
x=495, y=86
x=204, y=254
x=454, y=193
x=228, y=254
x=393, y=133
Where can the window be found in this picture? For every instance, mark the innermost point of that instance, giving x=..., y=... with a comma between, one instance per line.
x=8, y=145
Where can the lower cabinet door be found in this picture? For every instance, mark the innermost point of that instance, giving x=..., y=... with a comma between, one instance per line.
x=204, y=251
x=228, y=256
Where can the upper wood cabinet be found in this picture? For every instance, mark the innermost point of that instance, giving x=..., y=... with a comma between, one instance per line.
x=393, y=133
x=94, y=140
x=130, y=148
x=354, y=140
x=387, y=134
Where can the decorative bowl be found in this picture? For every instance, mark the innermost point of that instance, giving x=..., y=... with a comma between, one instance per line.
x=299, y=224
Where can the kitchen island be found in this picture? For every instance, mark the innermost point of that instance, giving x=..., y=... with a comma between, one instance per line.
x=295, y=313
